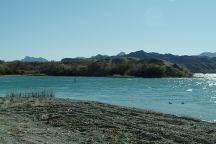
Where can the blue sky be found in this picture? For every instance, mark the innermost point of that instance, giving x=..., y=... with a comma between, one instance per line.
x=55, y=29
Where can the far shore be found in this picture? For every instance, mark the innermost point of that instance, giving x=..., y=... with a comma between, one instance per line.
x=106, y=76
x=36, y=120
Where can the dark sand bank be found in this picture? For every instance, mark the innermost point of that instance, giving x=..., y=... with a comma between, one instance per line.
x=55, y=121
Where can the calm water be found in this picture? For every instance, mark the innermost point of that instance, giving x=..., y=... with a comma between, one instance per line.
x=198, y=94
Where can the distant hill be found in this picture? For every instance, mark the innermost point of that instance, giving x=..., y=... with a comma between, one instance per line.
x=69, y=60
x=197, y=64
x=208, y=54
x=33, y=59
x=99, y=56
x=121, y=54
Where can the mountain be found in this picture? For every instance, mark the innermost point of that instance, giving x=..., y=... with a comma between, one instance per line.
x=33, y=59
x=196, y=64
x=185, y=59
x=121, y=54
x=208, y=54
x=99, y=56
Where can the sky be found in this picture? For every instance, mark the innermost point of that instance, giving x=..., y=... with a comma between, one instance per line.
x=55, y=29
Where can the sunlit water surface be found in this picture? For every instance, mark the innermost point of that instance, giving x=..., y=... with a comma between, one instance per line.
x=194, y=97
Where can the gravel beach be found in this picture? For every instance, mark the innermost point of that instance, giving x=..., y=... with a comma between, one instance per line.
x=29, y=120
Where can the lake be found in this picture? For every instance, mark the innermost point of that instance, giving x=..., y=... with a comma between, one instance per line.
x=194, y=97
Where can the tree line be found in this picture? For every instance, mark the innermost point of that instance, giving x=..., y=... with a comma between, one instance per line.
x=152, y=68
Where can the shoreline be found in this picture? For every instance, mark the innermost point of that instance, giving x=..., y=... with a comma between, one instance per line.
x=126, y=106
x=105, y=76
x=54, y=120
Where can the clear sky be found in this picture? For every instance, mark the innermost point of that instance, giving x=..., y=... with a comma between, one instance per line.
x=55, y=29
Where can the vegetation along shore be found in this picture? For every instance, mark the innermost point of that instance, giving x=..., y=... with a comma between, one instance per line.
x=122, y=67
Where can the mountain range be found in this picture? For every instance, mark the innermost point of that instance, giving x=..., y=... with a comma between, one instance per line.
x=208, y=54
x=204, y=63
x=200, y=63
x=34, y=59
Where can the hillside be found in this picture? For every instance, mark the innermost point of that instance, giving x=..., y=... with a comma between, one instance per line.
x=204, y=63
x=208, y=54
x=197, y=64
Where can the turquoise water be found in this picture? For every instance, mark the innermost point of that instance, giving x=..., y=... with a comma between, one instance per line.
x=197, y=94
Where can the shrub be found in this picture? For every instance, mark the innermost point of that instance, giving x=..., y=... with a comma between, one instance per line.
x=44, y=93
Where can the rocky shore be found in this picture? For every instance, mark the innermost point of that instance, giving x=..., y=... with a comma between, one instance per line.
x=28, y=120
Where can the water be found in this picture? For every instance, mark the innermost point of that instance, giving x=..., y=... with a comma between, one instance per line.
x=194, y=97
